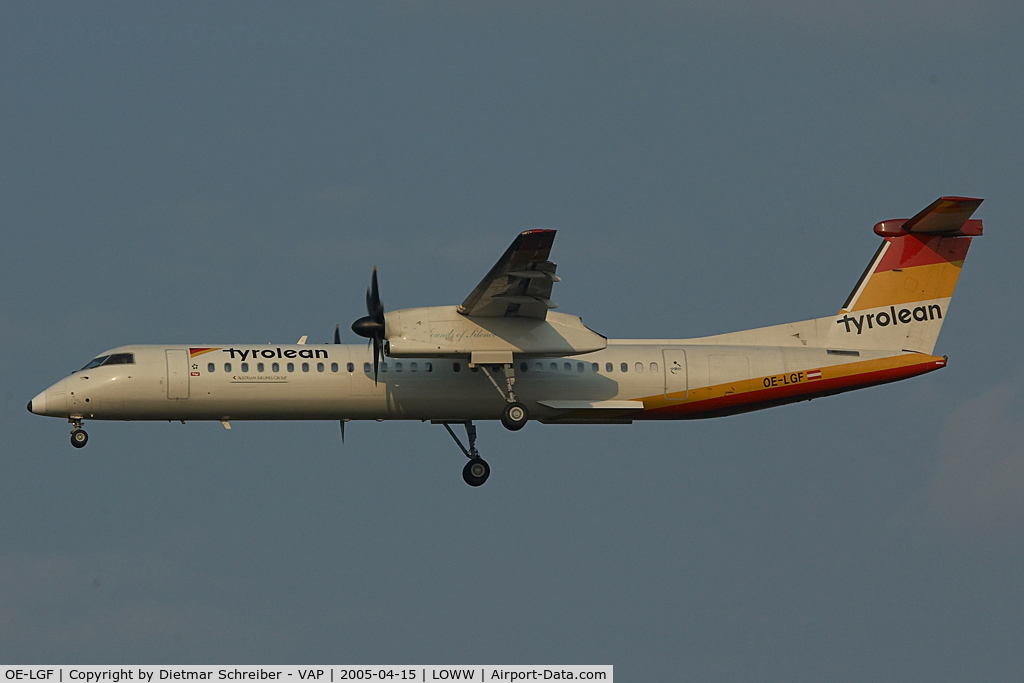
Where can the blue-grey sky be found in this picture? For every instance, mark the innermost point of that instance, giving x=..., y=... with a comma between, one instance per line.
x=231, y=172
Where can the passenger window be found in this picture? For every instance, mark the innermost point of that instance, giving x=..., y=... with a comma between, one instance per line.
x=350, y=367
x=639, y=367
x=413, y=367
x=319, y=367
x=428, y=366
x=539, y=367
x=245, y=367
x=291, y=367
x=259, y=367
x=654, y=367
x=568, y=367
x=624, y=367
x=398, y=367
x=580, y=367
x=305, y=367
x=275, y=367
x=334, y=367
x=595, y=367
x=523, y=367
x=553, y=367
x=456, y=367
x=367, y=367
x=383, y=367
x=608, y=367
x=211, y=367
x=227, y=367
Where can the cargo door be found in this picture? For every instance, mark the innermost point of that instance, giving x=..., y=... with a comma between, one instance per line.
x=177, y=373
x=675, y=374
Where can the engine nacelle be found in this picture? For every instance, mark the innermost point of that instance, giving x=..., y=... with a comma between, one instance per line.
x=440, y=331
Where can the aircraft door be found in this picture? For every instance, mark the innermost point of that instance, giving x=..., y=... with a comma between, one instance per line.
x=177, y=373
x=675, y=374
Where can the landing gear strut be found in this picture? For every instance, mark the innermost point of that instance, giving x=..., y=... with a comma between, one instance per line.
x=78, y=436
x=476, y=470
x=515, y=416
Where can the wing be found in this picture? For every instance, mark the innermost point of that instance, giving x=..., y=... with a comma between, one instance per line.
x=519, y=284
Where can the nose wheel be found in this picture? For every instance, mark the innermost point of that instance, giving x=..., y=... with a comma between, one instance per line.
x=477, y=470
x=78, y=436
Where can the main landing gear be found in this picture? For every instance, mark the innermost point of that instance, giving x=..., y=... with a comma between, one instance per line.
x=78, y=436
x=477, y=470
x=515, y=416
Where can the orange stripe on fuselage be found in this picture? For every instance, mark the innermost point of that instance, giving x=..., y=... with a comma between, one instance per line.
x=715, y=402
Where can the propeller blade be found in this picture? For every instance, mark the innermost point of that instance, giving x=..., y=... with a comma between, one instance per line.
x=371, y=325
x=337, y=335
x=374, y=307
x=376, y=359
x=342, y=431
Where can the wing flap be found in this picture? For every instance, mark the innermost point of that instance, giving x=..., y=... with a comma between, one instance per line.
x=519, y=284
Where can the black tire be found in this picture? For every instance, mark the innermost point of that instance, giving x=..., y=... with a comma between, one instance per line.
x=79, y=438
x=476, y=471
x=514, y=417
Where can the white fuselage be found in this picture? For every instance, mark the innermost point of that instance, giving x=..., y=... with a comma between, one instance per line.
x=664, y=379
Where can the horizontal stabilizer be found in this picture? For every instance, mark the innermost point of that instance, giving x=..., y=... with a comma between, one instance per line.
x=946, y=216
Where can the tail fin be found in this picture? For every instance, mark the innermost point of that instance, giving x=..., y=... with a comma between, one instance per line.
x=900, y=300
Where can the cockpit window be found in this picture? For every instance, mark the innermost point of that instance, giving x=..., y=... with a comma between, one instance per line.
x=112, y=359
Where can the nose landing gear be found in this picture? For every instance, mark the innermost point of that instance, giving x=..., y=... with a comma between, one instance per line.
x=78, y=436
x=477, y=470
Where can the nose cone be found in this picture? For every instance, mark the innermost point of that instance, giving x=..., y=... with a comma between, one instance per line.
x=51, y=402
x=38, y=404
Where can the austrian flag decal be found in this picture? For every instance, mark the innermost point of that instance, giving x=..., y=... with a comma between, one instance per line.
x=814, y=374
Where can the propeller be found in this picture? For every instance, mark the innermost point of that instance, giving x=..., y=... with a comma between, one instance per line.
x=337, y=340
x=371, y=325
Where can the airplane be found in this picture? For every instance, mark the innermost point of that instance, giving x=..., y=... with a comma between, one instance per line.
x=506, y=354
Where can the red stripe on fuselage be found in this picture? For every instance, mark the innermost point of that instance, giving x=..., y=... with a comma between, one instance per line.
x=776, y=396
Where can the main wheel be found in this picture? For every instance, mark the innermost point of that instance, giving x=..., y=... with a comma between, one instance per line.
x=476, y=472
x=79, y=438
x=514, y=417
